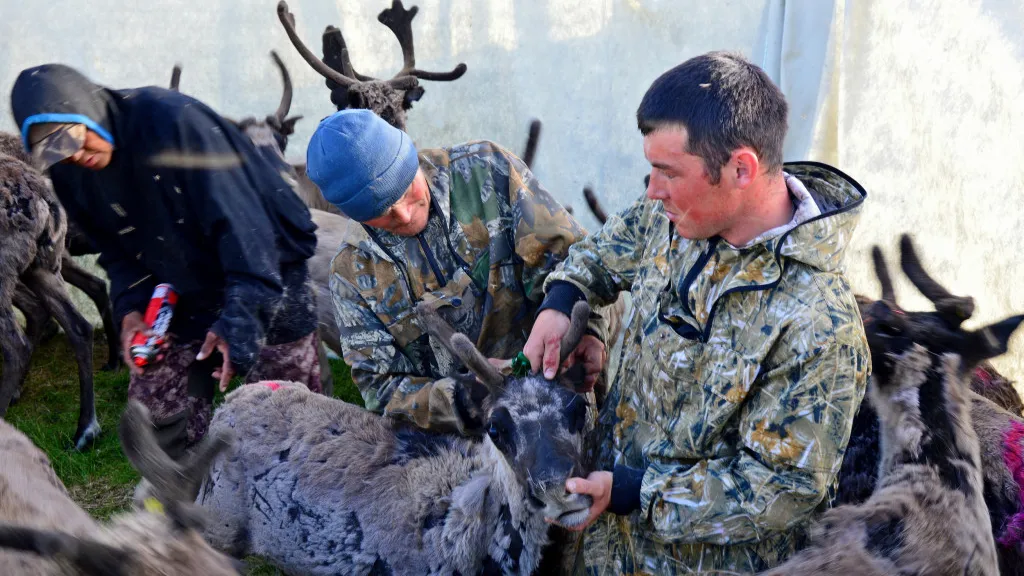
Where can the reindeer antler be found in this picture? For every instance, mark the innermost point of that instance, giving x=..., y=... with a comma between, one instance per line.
x=286, y=95
x=288, y=21
x=175, y=77
x=399, y=20
x=882, y=271
x=531, y=143
x=88, y=556
x=577, y=327
x=336, y=55
x=956, y=309
x=595, y=205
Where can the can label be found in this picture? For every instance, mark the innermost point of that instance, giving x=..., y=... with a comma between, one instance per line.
x=144, y=349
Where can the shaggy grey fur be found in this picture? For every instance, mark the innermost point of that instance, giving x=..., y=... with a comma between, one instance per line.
x=32, y=230
x=927, y=514
x=319, y=486
x=40, y=323
x=44, y=533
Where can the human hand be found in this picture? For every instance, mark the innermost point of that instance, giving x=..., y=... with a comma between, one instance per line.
x=543, y=346
x=131, y=325
x=592, y=352
x=225, y=372
x=598, y=485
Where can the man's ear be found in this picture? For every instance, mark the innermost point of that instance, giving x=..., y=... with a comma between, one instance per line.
x=744, y=166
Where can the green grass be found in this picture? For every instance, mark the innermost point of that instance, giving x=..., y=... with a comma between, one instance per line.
x=101, y=480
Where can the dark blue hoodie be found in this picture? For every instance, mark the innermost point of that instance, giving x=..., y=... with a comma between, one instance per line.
x=186, y=199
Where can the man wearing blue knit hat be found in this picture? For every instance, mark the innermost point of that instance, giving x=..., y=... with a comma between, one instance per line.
x=468, y=229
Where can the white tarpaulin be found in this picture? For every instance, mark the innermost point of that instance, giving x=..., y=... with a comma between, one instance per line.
x=922, y=102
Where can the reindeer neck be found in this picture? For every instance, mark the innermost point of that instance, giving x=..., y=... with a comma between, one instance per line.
x=519, y=524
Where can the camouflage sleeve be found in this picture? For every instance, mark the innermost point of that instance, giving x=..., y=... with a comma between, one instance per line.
x=544, y=231
x=794, y=429
x=605, y=263
x=386, y=377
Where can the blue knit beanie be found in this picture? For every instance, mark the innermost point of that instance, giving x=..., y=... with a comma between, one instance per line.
x=362, y=164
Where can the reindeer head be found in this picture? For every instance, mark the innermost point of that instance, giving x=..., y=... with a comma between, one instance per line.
x=890, y=329
x=389, y=99
x=537, y=425
x=920, y=360
x=164, y=541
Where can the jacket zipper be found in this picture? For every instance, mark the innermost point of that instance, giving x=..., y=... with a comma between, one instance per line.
x=433, y=263
x=698, y=267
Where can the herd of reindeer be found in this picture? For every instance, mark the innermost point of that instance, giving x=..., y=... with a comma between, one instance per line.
x=932, y=481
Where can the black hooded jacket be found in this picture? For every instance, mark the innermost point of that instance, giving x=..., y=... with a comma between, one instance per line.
x=187, y=199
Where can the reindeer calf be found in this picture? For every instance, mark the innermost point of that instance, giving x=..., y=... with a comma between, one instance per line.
x=44, y=533
x=319, y=486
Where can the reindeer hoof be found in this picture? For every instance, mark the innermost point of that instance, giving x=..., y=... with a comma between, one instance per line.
x=85, y=438
x=112, y=365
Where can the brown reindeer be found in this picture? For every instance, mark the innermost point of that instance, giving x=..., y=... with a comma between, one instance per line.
x=32, y=229
x=390, y=99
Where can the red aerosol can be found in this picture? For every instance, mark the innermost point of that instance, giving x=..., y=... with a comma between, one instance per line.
x=158, y=317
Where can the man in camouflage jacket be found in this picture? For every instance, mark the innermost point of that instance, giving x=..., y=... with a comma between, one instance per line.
x=744, y=358
x=467, y=229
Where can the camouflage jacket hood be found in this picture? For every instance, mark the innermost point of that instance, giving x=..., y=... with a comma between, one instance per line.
x=492, y=237
x=740, y=371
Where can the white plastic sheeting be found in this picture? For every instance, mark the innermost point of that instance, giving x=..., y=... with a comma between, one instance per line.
x=922, y=102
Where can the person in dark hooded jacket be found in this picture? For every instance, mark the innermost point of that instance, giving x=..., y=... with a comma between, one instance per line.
x=171, y=192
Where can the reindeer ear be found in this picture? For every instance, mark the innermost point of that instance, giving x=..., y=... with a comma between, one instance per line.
x=288, y=126
x=991, y=341
x=412, y=95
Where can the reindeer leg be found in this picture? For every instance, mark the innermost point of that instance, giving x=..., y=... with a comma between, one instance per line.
x=16, y=349
x=326, y=376
x=50, y=288
x=16, y=353
x=39, y=325
x=96, y=290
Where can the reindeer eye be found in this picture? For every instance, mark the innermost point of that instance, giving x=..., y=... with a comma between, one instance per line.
x=500, y=428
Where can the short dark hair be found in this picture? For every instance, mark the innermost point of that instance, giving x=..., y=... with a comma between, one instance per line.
x=724, y=102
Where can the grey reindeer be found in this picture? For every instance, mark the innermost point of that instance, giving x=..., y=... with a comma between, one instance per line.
x=44, y=533
x=927, y=514
x=32, y=230
x=319, y=486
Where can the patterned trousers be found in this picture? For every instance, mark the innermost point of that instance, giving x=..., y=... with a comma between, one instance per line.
x=179, y=390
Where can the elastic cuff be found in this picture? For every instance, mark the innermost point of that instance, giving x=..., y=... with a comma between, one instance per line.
x=562, y=296
x=626, y=484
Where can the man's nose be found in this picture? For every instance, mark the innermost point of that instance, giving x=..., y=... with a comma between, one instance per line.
x=655, y=191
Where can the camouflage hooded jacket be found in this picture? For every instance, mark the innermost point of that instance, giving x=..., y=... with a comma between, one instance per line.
x=741, y=370
x=493, y=236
